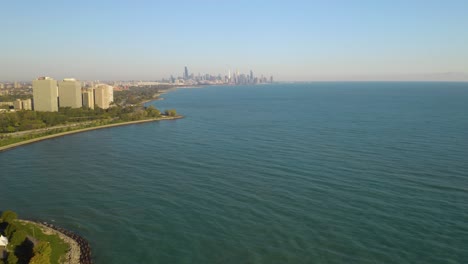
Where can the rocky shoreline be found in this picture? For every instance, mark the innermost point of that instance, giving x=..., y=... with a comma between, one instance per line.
x=84, y=247
x=80, y=250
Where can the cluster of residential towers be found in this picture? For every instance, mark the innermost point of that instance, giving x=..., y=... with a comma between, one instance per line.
x=49, y=94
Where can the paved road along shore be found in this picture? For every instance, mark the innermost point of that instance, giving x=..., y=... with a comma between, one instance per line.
x=15, y=145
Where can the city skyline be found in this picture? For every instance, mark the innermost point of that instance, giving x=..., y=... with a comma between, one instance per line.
x=300, y=41
x=187, y=75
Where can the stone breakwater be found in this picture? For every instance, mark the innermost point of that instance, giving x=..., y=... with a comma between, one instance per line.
x=85, y=248
x=80, y=250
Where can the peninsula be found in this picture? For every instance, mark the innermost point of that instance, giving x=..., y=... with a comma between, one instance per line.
x=24, y=241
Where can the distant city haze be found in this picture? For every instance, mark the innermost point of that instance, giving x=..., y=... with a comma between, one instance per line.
x=292, y=41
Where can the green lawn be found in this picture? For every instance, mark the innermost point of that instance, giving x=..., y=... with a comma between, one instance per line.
x=59, y=247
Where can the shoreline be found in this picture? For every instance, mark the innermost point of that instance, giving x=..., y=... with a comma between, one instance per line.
x=34, y=140
x=79, y=252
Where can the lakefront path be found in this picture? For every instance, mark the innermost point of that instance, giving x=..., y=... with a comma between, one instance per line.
x=15, y=145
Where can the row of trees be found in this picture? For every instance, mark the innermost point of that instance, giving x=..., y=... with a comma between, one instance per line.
x=27, y=120
x=170, y=112
x=136, y=94
x=15, y=95
x=19, y=246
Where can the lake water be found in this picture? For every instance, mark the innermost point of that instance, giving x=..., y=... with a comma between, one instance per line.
x=282, y=173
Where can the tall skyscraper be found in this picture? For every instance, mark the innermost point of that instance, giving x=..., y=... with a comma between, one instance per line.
x=103, y=95
x=70, y=93
x=251, y=75
x=186, y=75
x=45, y=94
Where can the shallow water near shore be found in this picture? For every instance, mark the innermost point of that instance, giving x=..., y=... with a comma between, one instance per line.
x=282, y=173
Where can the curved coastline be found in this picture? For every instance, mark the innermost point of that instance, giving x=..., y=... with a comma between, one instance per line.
x=34, y=140
x=79, y=252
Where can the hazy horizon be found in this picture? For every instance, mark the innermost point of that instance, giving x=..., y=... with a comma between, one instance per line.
x=298, y=41
x=442, y=77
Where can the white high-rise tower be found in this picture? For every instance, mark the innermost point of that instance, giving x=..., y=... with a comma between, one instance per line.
x=45, y=94
x=70, y=93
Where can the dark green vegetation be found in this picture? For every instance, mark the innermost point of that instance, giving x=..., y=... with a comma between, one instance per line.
x=170, y=112
x=28, y=244
x=27, y=120
x=136, y=95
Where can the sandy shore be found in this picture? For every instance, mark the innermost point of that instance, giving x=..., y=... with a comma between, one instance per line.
x=73, y=255
x=15, y=145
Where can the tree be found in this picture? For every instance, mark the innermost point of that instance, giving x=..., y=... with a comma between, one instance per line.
x=153, y=112
x=10, y=129
x=42, y=252
x=11, y=228
x=12, y=258
x=170, y=112
x=8, y=216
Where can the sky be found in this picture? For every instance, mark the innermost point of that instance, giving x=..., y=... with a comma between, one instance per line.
x=292, y=40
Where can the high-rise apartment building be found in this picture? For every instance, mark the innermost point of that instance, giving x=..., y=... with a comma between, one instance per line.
x=103, y=95
x=27, y=104
x=69, y=91
x=110, y=92
x=18, y=104
x=88, y=98
x=45, y=94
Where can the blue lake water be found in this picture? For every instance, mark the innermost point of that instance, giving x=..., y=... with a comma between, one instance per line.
x=282, y=173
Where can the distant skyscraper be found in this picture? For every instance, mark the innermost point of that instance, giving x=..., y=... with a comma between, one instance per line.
x=186, y=75
x=103, y=95
x=45, y=94
x=251, y=75
x=70, y=93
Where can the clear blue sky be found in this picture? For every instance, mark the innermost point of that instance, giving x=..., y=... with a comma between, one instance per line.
x=292, y=40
